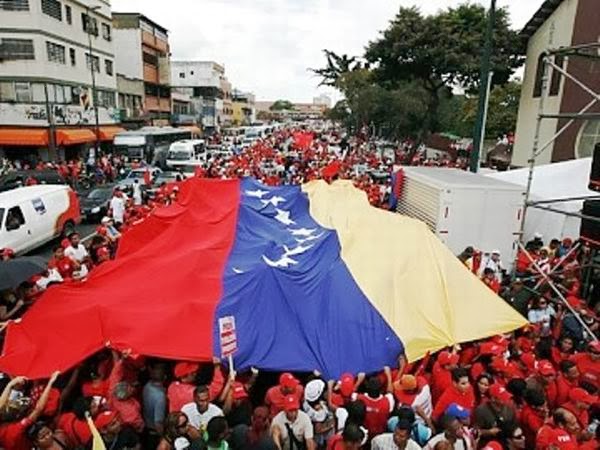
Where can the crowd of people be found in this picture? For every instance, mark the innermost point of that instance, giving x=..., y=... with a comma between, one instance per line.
x=535, y=388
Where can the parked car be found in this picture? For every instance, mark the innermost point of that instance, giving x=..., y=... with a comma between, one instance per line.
x=138, y=174
x=33, y=215
x=95, y=204
x=16, y=179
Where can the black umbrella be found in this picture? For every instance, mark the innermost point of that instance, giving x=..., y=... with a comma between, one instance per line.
x=15, y=271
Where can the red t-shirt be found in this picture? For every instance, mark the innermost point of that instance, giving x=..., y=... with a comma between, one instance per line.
x=336, y=442
x=453, y=395
x=557, y=437
x=76, y=430
x=589, y=370
x=378, y=412
x=100, y=389
x=582, y=416
x=274, y=398
x=441, y=379
x=563, y=387
x=531, y=421
x=13, y=435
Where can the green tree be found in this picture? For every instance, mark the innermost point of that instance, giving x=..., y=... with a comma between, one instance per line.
x=442, y=51
x=281, y=105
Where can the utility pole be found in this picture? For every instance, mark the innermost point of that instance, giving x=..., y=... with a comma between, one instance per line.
x=52, y=154
x=94, y=93
x=484, y=88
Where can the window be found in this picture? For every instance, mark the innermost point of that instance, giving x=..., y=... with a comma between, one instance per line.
x=56, y=52
x=108, y=66
x=191, y=72
x=68, y=14
x=96, y=63
x=106, y=32
x=89, y=24
x=37, y=92
x=14, y=5
x=106, y=98
x=150, y=59
x=16, y=49
x=7, y=91
x=181, y=74
x=52, y=8
x=559, y=60
x=539, y=76
x=14, y=219
x=72, y=57
x=588, y=138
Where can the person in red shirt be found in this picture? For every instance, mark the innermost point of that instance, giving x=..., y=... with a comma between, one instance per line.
x=563, y=351
x=347, y=386
x=275, y=397
x=558, y=434
x=533, y=415
x=545, y=380
x=460, y=392
x=441, y=374
x=567, y=380
x=588, y=364
x=378, y=406
x=181, y=392
x=13, y=430
x=579, y=404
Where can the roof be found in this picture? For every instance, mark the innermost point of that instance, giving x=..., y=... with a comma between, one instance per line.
x=538, y=19
x=456, y=178
x=25, y=193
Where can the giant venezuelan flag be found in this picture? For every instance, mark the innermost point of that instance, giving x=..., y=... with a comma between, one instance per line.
x=314, y=276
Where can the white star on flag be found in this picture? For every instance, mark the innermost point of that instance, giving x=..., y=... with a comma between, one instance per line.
x=284, y=217
x=257, y=193
x=296, y=251
x=285, y=261
x=303, y=231
x=309, y=238
x=236, y=270
x=275, y=201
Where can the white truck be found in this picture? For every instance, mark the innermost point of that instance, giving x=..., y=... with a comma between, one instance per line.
x=464, y=209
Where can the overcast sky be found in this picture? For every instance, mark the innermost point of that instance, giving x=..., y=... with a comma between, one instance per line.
x=267, y=46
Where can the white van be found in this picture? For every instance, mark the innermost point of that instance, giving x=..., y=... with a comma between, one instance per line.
x=186, y=150
x=31, y=216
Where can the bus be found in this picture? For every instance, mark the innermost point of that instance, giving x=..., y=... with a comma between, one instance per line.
x=186, y=150
x=149, y=144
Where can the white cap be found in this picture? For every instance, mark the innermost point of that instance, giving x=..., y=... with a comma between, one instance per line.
x=538, y=235
x=314, y=389
x=495, y=252
x=105, y=219
x=181, y=443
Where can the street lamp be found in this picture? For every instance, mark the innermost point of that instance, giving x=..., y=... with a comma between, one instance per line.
x=94, y=94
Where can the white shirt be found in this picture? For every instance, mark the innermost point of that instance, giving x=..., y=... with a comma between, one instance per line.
x=460, y=444
x=423, y=400
x=302, y=427
x=117, y=205
x=386, y=442
x=77, y=254
x=200, y=420
x=137, y=194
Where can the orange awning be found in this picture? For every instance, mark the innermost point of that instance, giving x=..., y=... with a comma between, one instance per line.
x=194, y=129
x=74, y=136
x=26, y=137
x=108, y=133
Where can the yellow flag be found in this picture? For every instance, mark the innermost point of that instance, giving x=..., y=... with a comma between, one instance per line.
x=98, y=443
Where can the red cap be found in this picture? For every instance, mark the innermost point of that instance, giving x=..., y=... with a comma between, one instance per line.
x=583, y=396
x=499, y=364
x=346, y=384
x=529, y=360
x=101, y=231
x=291, y=403
x=446, y=358
x=104, y=418
x=493, y=445
x=65, y=243
x=288, y=380
x=545, y=368
x=500, y=393
x=239, y=391
x=491, y=348
x=185, y=368
x=595, y=346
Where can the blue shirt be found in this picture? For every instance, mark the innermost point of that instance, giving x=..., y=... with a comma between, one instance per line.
x=155, y=404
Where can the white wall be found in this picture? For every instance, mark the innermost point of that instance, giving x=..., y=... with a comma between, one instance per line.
x=555, y=32
x=196, y=73
x=40, y=28
x=128, y=58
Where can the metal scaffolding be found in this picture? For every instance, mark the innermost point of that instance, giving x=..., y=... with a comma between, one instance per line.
x=591, y=51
